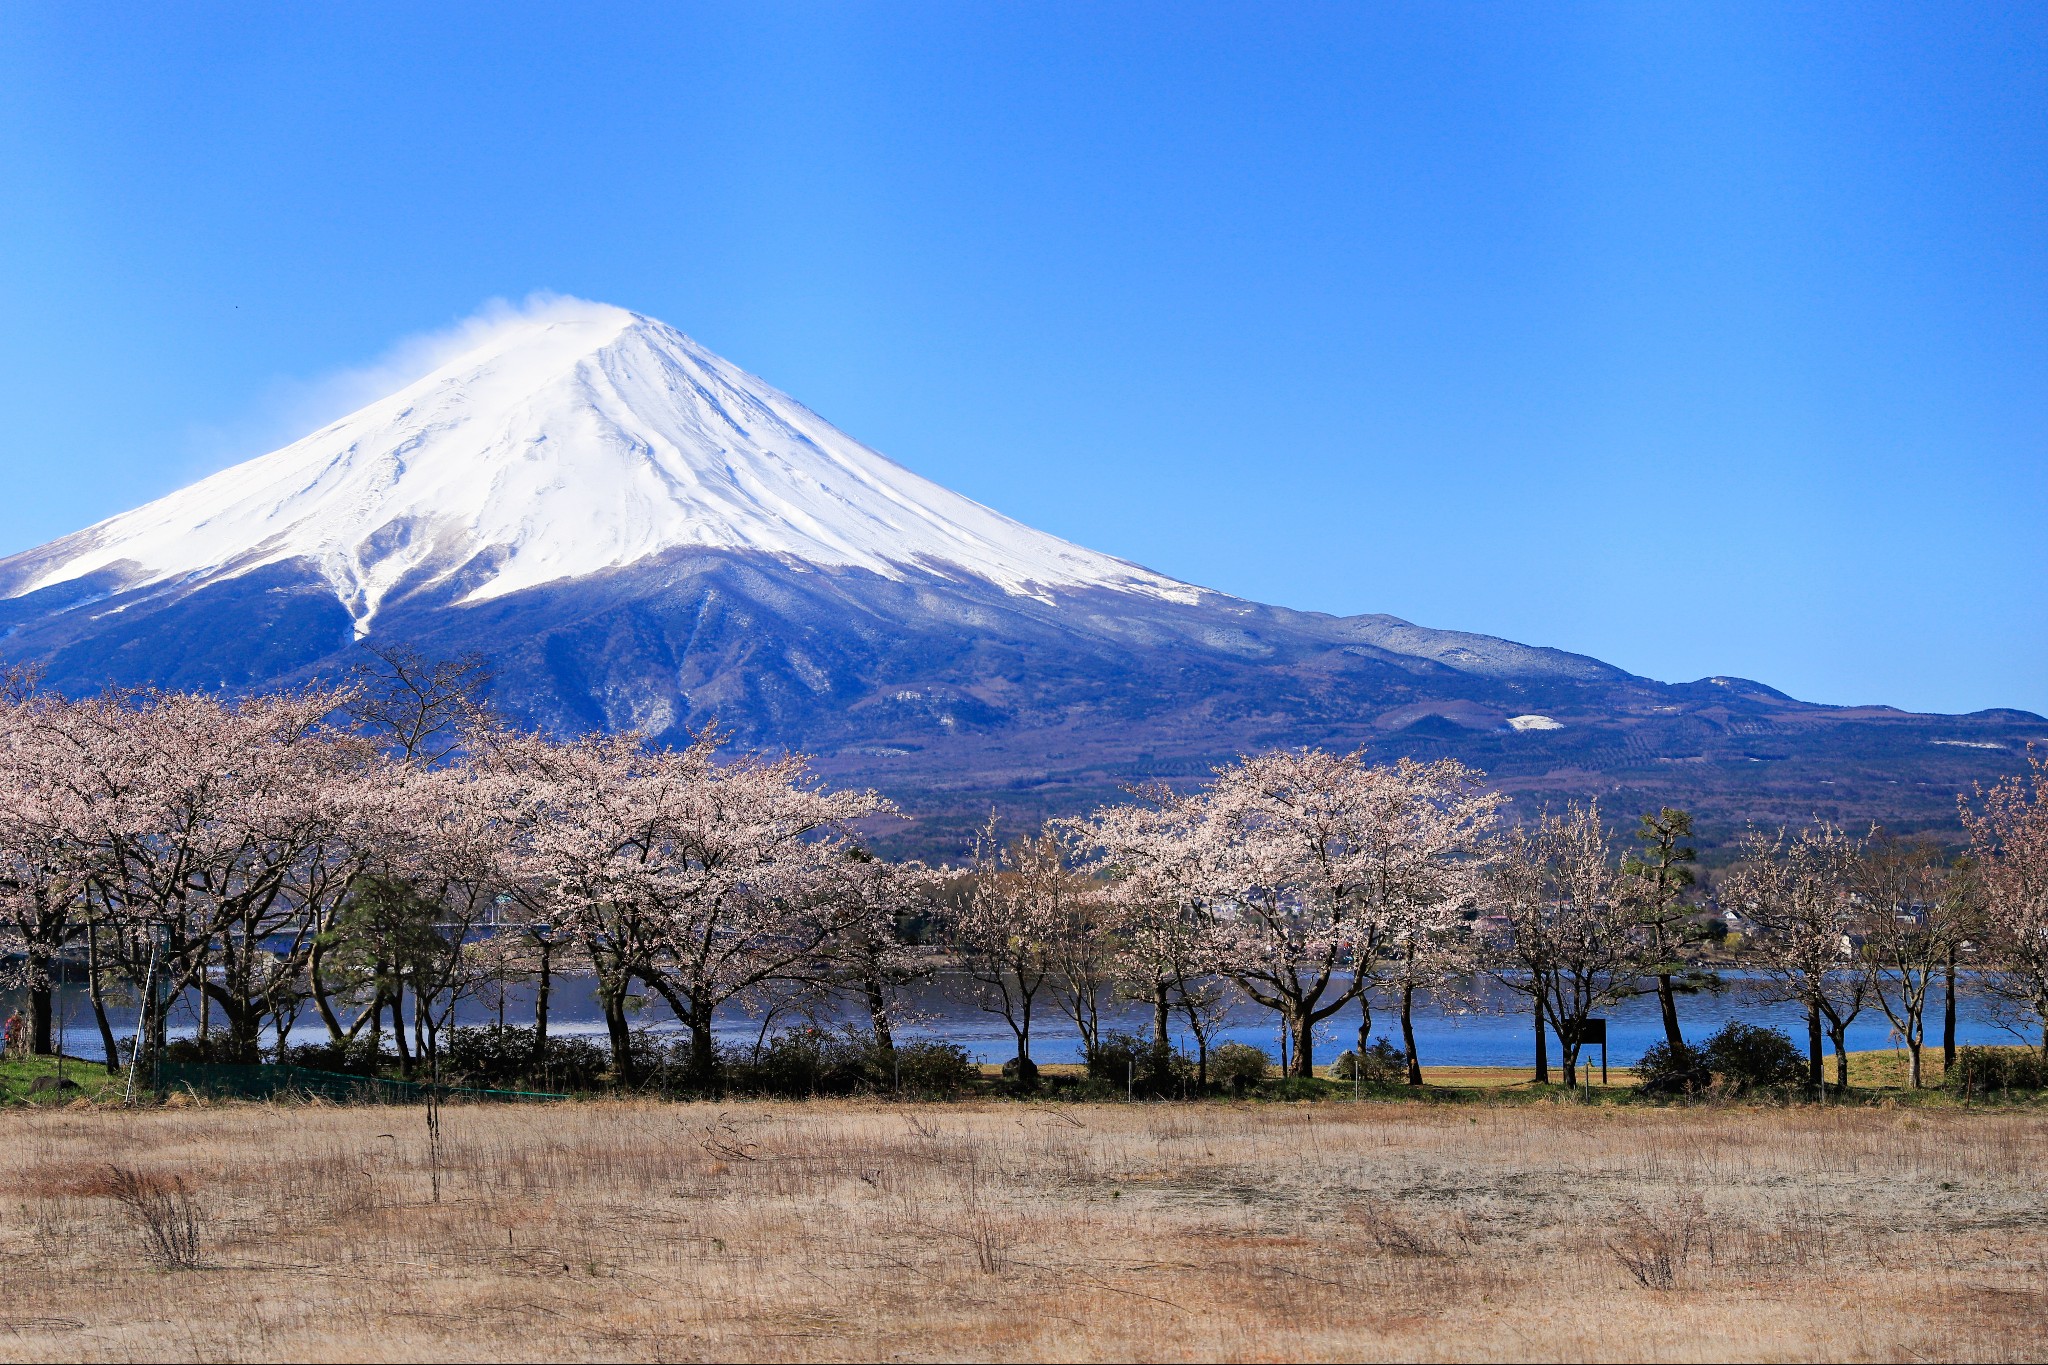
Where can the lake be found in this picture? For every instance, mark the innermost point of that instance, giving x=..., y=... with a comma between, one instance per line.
x=1494, y=1031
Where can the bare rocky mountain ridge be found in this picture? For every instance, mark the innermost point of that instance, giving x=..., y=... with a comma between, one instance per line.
x=640, y=535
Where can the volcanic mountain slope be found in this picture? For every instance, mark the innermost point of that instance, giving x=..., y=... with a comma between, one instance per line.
x=639, y=534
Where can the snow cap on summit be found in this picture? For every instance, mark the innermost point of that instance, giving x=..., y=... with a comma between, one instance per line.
x=557, y=441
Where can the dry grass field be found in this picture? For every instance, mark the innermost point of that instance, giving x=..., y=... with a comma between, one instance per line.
x=826, y=1230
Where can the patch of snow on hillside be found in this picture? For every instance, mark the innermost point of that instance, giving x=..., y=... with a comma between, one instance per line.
x=1534, y=723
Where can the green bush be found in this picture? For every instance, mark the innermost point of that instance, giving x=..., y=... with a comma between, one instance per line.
x=1750, y=1057
x=505, y=1059
x=213, y=1048
x=813, y=1061
x=1984, y=1070
x=1385, y=1064
x=1021, y=1073
x=1129, y=1062
x=934, y=1069
x=1738, y=1058
x=1238, y=1066
x=352, y=1058
x=1668, y=1070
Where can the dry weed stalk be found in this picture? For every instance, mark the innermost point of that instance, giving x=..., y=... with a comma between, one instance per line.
x=1395, y=1235
x=1657, y=1247
x=162, y=1209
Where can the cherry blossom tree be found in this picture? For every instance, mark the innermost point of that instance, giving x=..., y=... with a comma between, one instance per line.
x=1915, y=916
x=864, y=900
x=213, y=826
x=1801, y=892
x=1564, y=933
x=697, y=878
x=1018, y=901
x=1157, y=855
x=44, y=865
x=1330, y=861
x=2008, y=828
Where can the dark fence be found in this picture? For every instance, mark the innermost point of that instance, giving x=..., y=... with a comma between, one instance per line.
x=266, y=1082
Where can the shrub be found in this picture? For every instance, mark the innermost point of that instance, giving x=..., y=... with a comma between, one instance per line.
x=352, y=1058
x=1668, y=1070
x=1238, y=1066
x=1296, y=1088
x=496, y=1058
x=1021, y=1072
x=1385, y=1064
x=214, y=1048
x=1129, y=1062
x=813, y=1061
x=1748, y=1056
x=1983, y=1070
x=935, y=1069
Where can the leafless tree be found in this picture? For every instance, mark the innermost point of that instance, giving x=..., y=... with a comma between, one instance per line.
x=1915, y=917
x=1564, y=934
x=1800, y=891
x=2008, y=826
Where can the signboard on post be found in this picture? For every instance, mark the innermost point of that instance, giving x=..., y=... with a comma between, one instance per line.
x=1584, y=1033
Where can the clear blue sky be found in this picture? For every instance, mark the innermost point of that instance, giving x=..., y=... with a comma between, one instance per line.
x=1704, y=339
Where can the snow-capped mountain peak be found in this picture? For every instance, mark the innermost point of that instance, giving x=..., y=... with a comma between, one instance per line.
x=565, y=441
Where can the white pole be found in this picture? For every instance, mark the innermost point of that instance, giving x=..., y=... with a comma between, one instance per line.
x=135, y=1057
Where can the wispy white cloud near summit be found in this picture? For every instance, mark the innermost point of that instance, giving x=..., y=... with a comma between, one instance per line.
x=291, y=406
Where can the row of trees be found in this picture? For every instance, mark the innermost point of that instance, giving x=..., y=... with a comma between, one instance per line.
x=383, y=849
x=1309, y=884
x=373, y=853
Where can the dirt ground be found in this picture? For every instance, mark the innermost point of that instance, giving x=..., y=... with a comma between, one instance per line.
x=991, y=1230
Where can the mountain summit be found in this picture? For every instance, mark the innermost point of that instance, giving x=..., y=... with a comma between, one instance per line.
x=640, y=534
x=566, y=442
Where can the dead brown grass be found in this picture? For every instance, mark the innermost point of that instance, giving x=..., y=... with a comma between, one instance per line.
x=1009, y=1231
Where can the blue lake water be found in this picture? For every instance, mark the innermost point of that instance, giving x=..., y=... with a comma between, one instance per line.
x=1495, y=1031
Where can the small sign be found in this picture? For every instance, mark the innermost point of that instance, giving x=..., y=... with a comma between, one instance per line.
x=1584, y=1032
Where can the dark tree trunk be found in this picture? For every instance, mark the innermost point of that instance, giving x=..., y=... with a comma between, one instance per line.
x=878, y=1014
x=420, y=1008
x=1813, y=1062
x=1542, y=1049
x=41, y=1035
x=703, y=1051
x=314, y=960
x=397, y=1003
x=97, y=994
x=1667, y=1003
x=1162, y=1044
x=1408, y=1034
x=1838, y=1034
x=1364, y=1026
x=1948, y=1019
x=1201, y=1041
x=540, y=1006
x=613, y=1003
x=244, y=1027
x=1304, y=1045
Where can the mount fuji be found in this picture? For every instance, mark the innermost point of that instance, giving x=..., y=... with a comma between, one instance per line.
x=639, y=534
